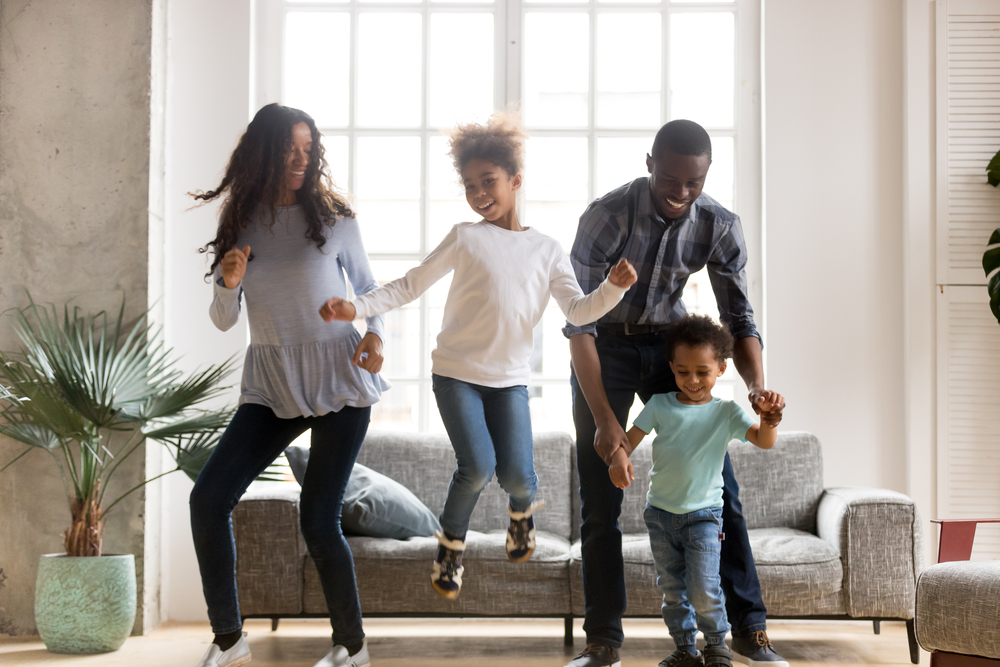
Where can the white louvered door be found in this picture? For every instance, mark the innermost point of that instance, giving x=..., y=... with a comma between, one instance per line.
x=968, y=210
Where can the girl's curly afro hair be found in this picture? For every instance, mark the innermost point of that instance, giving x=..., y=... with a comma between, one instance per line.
x=500, y=141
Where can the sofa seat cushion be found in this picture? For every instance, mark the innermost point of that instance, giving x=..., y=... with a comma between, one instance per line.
x=394, y=577
x=958, y=605
x=799, y=573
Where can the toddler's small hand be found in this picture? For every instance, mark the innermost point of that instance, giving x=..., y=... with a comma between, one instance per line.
x=337, y=309
x=621, y=470
x=623, y=274
x=770, y=404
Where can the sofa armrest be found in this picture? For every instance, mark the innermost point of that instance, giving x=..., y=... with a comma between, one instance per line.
x=270, y=550
x=878, y=535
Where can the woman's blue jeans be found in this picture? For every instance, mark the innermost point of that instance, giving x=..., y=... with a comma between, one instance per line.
x=251, y=442
x=686, y=550
x=490, y=429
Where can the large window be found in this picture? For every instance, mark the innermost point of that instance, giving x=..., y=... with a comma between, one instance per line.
x=594, y=79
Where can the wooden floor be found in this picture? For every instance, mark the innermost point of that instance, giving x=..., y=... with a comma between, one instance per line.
x=465, y=643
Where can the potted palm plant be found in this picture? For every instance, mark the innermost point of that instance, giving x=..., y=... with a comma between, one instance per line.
x=88, y=390
x=991, y=258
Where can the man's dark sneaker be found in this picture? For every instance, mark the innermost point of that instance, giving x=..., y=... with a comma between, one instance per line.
x=597, y=655
x=446, y=575
x=717, y=655
x=682, y=658
x=755, y=649
x=521, y=533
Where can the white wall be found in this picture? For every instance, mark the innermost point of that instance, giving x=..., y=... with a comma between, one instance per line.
x=833, y=76
x=208, y=93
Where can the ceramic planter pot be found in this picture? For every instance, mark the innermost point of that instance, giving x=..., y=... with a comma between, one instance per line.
x=85, y=605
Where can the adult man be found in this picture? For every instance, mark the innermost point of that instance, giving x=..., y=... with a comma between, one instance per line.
x=668, y=230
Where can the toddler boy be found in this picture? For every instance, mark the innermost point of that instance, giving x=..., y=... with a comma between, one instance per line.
x=684, y=502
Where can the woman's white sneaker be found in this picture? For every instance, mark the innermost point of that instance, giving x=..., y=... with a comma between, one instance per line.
x=237, y=654
x=339, y=657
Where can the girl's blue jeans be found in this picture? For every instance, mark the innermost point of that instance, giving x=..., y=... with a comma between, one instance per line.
x=490, y=429
x=250, y=443
x=686, y=550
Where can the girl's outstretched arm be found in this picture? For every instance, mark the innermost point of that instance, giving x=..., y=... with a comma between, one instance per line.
x=401, y=291
x=583, y=309
x=354, y=259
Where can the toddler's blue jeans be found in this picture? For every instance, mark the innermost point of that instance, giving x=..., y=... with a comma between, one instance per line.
x=490, y=429
x=686, y=550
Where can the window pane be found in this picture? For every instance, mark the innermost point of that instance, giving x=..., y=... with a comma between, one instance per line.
x=555, y=186
x=551, y=346
x=335, y=151
x=461, y=68
x=388, y=205
x=389, y=76
x=448, y=205
x=719, y=184
x=551, y=408
x=628, y=70
x=398, y=409
x=702, y=68
x=556, y=69
x=620, y=161
x=317, y=60
x=402, y=325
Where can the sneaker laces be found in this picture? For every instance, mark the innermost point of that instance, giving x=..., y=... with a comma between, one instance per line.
x=593, y=649
x=451, y=562
x=519, y=531
x=760, y=638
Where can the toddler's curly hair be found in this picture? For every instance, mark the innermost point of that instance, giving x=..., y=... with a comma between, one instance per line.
x=500, y=141
x=696, y=330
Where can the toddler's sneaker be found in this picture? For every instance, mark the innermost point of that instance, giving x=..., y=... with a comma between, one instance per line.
x=755, y=649
x=717, y=655
x=597, y=655
x=521, y=533
x=237, y=654
x=446, y=576
x=682, y=658
x=339, y=657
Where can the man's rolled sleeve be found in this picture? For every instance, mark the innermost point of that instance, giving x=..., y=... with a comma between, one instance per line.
x=727, y=272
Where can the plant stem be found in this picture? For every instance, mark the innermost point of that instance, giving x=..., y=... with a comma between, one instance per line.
x=107, y=510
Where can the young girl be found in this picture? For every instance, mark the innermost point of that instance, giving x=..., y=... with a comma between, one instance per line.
x=284, y=236
x=504, y=275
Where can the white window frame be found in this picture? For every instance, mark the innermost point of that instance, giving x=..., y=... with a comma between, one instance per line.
x=267, y=45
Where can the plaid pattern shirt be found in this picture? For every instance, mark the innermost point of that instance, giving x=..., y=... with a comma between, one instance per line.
x=623, y=223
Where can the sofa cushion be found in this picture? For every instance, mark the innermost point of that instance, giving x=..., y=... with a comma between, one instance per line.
x=394, y=577
x=780, y=487
x=424, y=463
x=958, y=605
x=374, y=505
x=799, y=573
x=644, y=598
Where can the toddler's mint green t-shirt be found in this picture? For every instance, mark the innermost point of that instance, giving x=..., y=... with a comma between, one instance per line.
x=689, y=450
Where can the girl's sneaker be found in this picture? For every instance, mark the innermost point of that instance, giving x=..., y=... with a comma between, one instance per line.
x=521, y=533
x=446, y=576
x=237, y=654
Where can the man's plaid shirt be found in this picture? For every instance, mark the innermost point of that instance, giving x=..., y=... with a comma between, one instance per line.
x=623, y=223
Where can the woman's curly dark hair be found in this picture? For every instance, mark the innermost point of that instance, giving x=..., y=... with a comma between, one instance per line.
x=697, y=330
x=254, y=175
x=500, y=141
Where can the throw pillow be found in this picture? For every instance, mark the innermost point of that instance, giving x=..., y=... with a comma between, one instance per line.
x=374, y=505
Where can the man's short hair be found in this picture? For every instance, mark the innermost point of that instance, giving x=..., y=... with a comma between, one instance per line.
x=684, y=137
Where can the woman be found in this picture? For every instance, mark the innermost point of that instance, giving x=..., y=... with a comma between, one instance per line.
x=285, y=239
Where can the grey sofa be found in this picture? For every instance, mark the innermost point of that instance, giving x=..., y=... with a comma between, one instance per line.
x=847, y=553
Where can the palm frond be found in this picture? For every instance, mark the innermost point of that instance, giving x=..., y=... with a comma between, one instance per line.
x=171, y=431
x=32, y=435
x=176, y=398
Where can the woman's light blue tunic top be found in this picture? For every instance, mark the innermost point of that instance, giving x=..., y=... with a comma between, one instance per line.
x=297, y=364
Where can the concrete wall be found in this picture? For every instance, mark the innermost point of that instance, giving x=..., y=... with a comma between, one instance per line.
x=834, y=216
x=74, y=168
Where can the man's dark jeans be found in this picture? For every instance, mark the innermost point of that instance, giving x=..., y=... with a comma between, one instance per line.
x=640, y=365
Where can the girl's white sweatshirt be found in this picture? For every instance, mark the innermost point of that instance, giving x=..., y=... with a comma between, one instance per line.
x=502, y=283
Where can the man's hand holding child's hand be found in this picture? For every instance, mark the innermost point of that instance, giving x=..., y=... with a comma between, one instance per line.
x=623, y=274
x=337, y=309
x=621, y=470
x=769, y=404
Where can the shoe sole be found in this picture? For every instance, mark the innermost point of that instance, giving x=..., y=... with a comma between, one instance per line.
x=523, y=559
x=757, y=663
x=448, y=595
x=242, y=661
